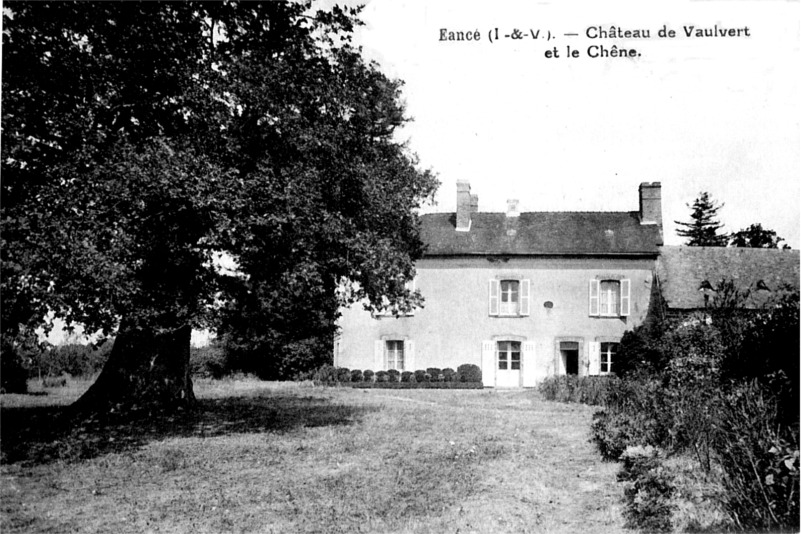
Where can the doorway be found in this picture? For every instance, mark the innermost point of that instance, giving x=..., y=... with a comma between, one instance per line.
x=570, y=357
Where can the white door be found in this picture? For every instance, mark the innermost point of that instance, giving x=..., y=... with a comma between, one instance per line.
x=508, y=364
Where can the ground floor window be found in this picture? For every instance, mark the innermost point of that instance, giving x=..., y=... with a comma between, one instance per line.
x=608, y=352
x=508, y=355
x=393, y=350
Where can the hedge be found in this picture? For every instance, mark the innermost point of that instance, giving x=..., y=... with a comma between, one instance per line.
x=414, y=385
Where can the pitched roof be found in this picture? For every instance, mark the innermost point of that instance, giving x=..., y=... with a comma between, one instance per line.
x=541, y=233
x=682, y=270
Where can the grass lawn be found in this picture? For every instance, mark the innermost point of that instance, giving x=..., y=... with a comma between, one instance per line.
x=276, y=457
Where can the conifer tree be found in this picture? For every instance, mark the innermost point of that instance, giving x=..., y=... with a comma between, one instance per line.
x=702, y=230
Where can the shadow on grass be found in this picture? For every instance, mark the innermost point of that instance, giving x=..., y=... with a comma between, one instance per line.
x=40, y=435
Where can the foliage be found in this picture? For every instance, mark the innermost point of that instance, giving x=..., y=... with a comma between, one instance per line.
x=54, y=381
x=394, y=375
x=74, y=359
x=435, y=373
x=760, y=460
x=448, y=374
x=407, y=376
x=756, y=237
x=418, y=385
x=356, y=375
x=368, y=375
x=468, y=372
x=258, y=132
x=724, y=385
x=13, y=375
x=420, y=376
x=381, y=376
x=648, y=490
x=612, y=432
x=17, y=354
x=592, y=390
x=343, y=374
x=702, y=230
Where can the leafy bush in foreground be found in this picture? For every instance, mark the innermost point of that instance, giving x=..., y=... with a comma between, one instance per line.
x=760, y=461
x=648, y=490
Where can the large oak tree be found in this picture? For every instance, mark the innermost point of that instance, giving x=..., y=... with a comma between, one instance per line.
x=143, y=140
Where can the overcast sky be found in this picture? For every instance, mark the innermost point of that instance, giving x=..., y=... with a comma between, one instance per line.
x=719, y=114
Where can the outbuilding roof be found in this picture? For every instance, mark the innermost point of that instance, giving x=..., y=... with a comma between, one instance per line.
x=541, y=233
x=686, y=274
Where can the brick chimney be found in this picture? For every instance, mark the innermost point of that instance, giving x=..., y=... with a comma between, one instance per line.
x=465, y=205
x=651, y=203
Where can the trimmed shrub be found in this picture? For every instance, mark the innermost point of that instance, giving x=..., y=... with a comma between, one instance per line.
x=449, y=375
x=649, y=488
x=343, y=374
x=407, y=376
x=419, y=375
x=468, y=372
x=436, y=374
x=369, y=375
x=382, y=376
x=394, y=375
x=356, y=375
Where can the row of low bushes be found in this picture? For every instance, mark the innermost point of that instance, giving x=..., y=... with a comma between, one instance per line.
x=416, y=385
x=593, y=390
x=330, y=375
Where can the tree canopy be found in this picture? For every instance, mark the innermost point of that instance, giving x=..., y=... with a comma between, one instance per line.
x=756, y=237
x=141, y=140
x=702, y=229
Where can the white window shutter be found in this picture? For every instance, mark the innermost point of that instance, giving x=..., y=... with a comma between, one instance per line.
x=378, y=356
x=408, y=356
x=494, y=298
x=625, y=297
x=529, y=370
x=595, y=357
x=488, y=363
x=525, y=297
x=595, y=288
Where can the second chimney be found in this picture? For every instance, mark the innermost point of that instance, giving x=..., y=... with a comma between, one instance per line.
x=651, y=203
x=465, y=205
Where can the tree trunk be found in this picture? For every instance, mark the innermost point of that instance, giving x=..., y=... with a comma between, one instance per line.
x=144, y=368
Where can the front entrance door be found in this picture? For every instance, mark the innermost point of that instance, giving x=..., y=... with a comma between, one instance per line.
x=508, y=360
x=570, y=357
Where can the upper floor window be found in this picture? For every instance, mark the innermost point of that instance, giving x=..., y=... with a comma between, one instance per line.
x=610, y=298
x=509, y=297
